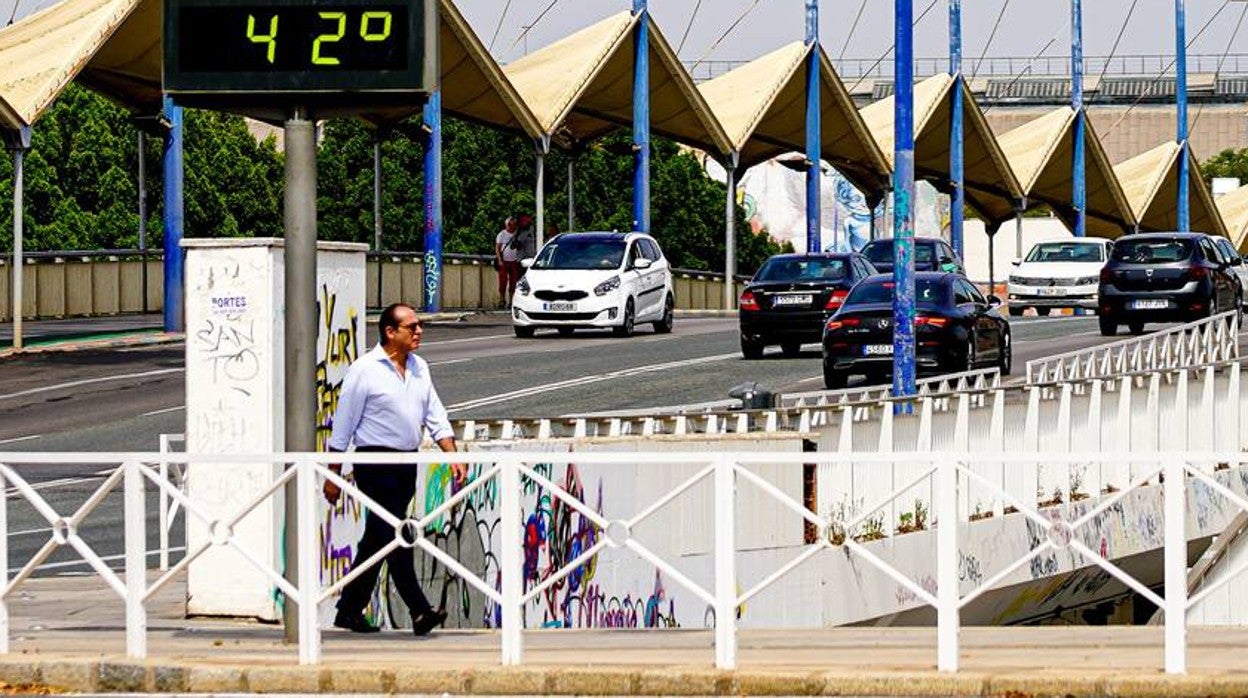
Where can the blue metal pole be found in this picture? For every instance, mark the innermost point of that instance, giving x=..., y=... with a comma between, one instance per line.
x=957, y=170
x=641, y=120
x=1079, y=193
x=814, y=131
x=903, y=195
x=1180, y=82
x=174, y=317
x=433, y=203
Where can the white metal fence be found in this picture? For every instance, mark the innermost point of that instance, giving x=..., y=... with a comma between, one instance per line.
x=948, y=475
x=1212, y=340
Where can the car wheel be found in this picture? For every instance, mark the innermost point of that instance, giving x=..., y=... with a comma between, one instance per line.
x=834, y=379
x=1006, y=362
x=524, y=332
x=791, y=349
x=751, y=349
x=1016, y=311
x=625, y=328
x=566, y=331
x=1042, y=311
x=1136, y=327
x=664, y=325
x=1109, y=328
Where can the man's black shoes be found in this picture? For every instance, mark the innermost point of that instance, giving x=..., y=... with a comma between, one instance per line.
x=427, y=621
x=355, y=623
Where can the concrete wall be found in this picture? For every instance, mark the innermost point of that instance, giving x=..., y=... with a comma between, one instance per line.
x=68, y=287
x=617, y=588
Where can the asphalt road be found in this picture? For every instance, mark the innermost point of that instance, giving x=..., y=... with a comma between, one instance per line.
x=123, y=399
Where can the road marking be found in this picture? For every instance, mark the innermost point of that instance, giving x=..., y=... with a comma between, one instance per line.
x=106, y=558
x=448, y=363
x=91, y=381
x=21, y=438
x=586, y=380
x=153, y=413
x=465, y=339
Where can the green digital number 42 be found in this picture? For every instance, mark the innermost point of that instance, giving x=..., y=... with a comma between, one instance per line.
x=368, y=27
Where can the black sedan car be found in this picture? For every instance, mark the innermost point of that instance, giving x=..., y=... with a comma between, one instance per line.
x=930, y=254
x=792, y=295
x=1165, y=277
x=955, y=329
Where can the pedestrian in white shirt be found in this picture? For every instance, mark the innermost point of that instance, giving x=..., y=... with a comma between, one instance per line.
x=387, y=402
x=507, y=255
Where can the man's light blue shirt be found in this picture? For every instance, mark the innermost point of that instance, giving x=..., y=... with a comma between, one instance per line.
x=377, y=407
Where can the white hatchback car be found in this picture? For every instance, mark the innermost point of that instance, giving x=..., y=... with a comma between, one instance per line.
x=1058, y=274
x=595, y=280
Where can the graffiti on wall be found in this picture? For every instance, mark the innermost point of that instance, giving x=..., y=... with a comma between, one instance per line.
x=555, y=534
x=339, y=346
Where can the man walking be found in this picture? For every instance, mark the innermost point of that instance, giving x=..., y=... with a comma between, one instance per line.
x=387, y=402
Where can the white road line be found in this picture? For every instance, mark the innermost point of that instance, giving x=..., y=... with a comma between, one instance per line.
x=153, y=413
x=586, y=380
x=465, y=339
x=12, y=492
x=448, y=363
x=80, y=563
x=21, y=438
x=90, y=381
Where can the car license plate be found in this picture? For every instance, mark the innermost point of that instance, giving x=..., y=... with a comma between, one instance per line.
x=877, y=350
x=1052, y=291
x=1150, y=304
x=803, y=299
x=558, y=306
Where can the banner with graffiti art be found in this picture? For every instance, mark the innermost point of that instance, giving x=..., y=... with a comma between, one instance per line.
x=614, y=588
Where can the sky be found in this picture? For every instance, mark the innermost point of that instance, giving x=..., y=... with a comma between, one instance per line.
x=1027, y=27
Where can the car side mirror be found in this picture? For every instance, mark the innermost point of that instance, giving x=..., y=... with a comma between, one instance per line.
x=994, y=302
x=1017, y=261
x=526, y=262
x=642, y=263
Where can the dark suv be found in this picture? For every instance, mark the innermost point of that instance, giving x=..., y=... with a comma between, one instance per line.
x=1164, y=277
x=930, y=254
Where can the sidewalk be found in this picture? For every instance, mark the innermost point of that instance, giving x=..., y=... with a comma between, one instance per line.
x=69, y=633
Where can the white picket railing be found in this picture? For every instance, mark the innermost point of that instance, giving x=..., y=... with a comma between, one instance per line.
x=1211, y=340
x=948, y=474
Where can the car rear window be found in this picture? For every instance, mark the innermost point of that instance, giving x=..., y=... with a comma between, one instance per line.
x=1067, y=252
x=1155, y=251
x=926, y=291
x=568, y=252
x=803, y=269
x=881, y=252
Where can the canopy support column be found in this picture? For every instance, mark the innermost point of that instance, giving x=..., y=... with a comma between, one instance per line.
x=174, y=257
x=433, y=202
x=903, y=198
x=957, y=170
x=814, y=131
x=1079, y=196
x=539, y=215
x=641, y=120
x=18, y=143
x=1180, y=50
x=730, y=226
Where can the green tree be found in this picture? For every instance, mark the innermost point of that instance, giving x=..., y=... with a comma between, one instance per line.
x=1228, y=163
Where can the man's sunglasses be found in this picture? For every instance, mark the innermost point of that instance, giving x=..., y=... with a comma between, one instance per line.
x=413, y=326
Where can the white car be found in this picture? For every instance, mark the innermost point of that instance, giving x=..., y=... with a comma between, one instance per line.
x=1058, y=274
x=595, y=280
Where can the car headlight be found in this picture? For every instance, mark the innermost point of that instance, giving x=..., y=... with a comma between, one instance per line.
x=607, y=286
x=1086, y=280
x=1016, y=279
x=523, y=287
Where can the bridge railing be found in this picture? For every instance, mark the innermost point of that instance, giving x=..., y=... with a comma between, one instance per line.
x=1210, y=340
x=1057, y=529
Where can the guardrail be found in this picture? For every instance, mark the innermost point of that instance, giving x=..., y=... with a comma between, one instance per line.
x=1210, y=340
x=79, y=283
x=979, y=379
x=946, y=474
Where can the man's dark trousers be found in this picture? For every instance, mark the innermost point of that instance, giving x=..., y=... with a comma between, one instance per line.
x=391, y=486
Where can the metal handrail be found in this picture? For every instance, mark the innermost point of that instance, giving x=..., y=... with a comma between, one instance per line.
x=949, y=473
x=1204, y=341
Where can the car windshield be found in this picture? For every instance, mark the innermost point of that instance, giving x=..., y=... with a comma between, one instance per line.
x=802, y=269
x=881, y=252
x=1154, y=251
x=571, y=253
x=928, y=292
x=1067, y=252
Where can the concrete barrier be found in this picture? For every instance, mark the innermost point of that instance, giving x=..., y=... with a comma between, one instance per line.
x=77, y=286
